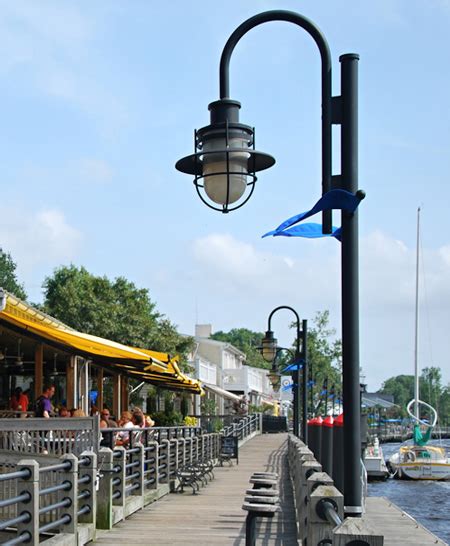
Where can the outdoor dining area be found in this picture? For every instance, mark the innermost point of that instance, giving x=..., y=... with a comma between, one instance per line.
x=37, y=350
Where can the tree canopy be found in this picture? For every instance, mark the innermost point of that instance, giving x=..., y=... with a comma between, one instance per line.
x=324, y=357
x=246, y=341
x=113, y=309
x=431, y=390
x=8, y=277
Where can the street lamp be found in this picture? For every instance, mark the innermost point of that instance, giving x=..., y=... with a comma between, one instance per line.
x=224, y=164
x=270, y=350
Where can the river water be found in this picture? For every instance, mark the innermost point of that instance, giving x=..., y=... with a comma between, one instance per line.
x=427, y=501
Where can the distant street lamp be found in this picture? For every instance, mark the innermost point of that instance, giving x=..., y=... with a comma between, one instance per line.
x=225, y=163
x=270, y=351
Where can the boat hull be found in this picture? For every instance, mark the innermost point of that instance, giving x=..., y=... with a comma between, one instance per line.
x=420, y=471
x=376, y=468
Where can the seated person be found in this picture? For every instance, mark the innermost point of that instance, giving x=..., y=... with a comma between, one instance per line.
x=125, y=421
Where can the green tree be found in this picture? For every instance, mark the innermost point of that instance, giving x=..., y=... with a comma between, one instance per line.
x=324, y=356
x=112, y=309
x=401, y=387
x=431, y=389
x=246, y=341
x=8, y=278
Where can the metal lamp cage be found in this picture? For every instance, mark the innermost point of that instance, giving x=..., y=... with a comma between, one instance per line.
x=193, y=164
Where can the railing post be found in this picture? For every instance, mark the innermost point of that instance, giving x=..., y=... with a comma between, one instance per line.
x=188, y=453
x=104, y=495
x=164, y=461
x=88, y=470
x=153, y=466
x=119, y=462
x=319, y=528
x=71, y=475
x=307, y=469
x=181, y=452
x=138, y=457
x=29, y=485
x=356, y=530
x=173, y=459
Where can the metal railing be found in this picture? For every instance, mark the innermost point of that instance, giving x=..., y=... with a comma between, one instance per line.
x=244, y=427
x=56, y=436
x=53, y=495
x=49, y=499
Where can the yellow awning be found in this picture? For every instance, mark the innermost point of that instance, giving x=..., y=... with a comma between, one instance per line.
x=152, y=366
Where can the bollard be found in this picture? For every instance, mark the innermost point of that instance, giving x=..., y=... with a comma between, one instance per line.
x=327, y=445
x=315, y=437
x=338, y=452
x=104, y=495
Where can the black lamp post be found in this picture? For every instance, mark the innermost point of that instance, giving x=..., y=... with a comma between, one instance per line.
x=224, y=166
x=269, y=351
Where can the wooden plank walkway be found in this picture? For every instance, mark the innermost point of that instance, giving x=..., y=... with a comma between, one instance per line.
x=215, y=516
x=397, y=526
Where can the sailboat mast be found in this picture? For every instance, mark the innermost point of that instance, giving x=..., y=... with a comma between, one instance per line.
x=416, y=333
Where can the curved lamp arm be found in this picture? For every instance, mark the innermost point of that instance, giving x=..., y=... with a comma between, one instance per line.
x=297, y=337
x=322, y=44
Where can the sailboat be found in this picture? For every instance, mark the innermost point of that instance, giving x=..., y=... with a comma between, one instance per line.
x=420, y=461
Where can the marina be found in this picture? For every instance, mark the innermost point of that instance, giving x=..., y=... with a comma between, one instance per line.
x=426, y=501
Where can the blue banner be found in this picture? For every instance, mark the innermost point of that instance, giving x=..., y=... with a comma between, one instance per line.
x=334, y=199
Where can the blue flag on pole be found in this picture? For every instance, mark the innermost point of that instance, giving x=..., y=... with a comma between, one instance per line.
x=294, y=366
x=334, y=199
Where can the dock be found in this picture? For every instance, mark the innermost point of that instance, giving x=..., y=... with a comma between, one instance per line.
x=214, y=516
x=397, y=526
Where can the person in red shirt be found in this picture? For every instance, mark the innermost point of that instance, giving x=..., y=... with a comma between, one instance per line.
x=19, y=400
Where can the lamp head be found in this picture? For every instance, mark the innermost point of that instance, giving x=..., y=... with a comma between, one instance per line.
x=269, y=346
x=225, y=161
x=275, y=379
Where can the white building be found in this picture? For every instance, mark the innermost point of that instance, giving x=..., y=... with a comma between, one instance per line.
x=225, y=376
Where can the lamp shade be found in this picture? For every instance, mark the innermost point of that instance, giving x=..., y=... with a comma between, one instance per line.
x=269, y=346
x=225, y=160
x=225, y=171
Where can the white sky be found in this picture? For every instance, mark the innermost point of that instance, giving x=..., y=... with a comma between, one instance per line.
x=100, y=99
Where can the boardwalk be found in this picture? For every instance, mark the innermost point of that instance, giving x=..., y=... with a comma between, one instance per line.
x=214, y=516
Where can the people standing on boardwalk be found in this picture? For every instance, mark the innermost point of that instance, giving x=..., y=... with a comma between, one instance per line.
x=43, y=404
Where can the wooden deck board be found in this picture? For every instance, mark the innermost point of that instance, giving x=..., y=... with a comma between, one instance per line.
x=215, y=515
x=397, y=526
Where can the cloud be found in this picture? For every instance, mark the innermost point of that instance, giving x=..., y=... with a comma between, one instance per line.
x=235, y=266
x=238, y=275
x=38, y=240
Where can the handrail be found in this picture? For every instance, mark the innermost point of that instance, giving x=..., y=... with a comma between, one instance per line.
x=66, y=489
x=25, y=474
